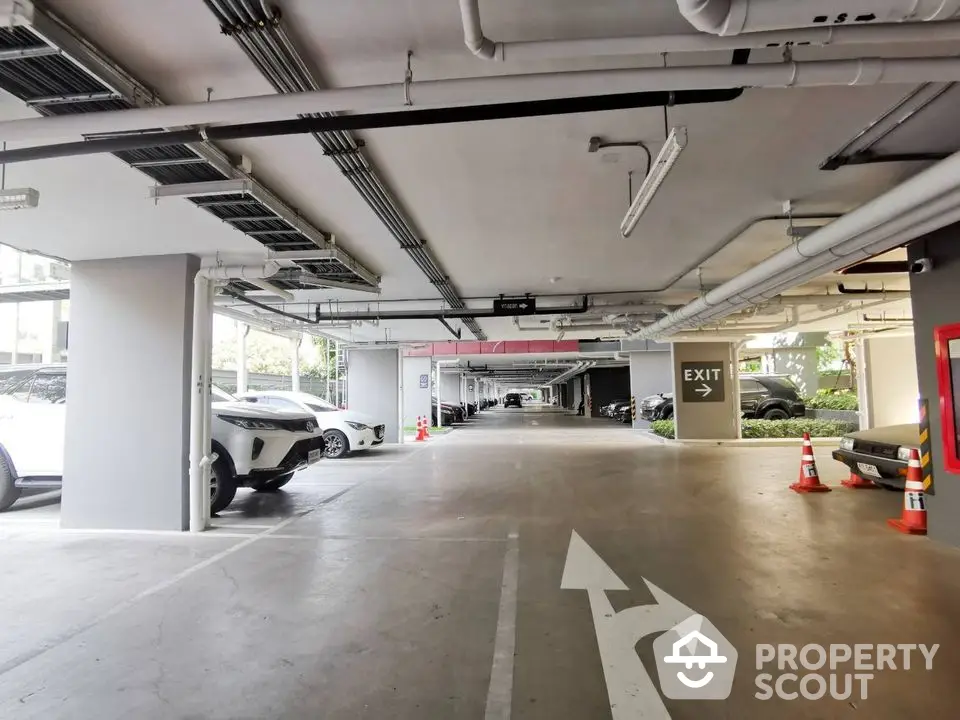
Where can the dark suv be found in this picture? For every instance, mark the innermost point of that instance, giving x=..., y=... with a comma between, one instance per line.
x=512, y=400
x=762, y=397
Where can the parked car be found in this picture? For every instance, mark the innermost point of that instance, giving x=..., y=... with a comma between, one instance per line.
x=762, y=397
x=880, y=454
x=624, y=414
x=449, y=416
x=455, y=410
x=610, y=409
x=344, y=431
x=512, y=400
x=256, y=447
x=656, y=407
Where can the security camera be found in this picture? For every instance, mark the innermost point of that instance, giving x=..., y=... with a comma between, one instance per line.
x=923, y=265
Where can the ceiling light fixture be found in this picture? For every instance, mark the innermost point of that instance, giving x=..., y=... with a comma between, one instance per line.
x=19, y=198
x=676, y=142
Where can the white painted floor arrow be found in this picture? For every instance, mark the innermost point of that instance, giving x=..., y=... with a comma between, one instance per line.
x=631, y=692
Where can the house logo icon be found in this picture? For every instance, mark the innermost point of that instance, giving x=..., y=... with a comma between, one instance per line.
x=695, y=661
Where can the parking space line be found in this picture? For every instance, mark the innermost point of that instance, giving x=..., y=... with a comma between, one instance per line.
x=64, y=637
x=500, y=692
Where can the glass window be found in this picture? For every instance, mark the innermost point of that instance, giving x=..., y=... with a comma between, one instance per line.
x=49, y=388
x=750, y=386
x=220, y=395
x=320, y=408
x=284, y=404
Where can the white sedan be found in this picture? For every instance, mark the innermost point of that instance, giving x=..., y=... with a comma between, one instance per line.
x=343, y=430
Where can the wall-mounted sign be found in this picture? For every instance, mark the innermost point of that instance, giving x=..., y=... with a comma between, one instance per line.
x=701, y=381
x=424, y=381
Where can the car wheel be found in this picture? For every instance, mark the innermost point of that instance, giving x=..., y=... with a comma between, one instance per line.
x=223, y=486
x=9, y=492
x=273, y=484
x=336, y=444
x=776, y=414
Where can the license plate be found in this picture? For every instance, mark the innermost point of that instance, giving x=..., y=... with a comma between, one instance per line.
x=314, y=456
x=868, y=469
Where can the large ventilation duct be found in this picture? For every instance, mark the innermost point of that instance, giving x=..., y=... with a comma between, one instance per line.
x=732, y=17
x=522, y=51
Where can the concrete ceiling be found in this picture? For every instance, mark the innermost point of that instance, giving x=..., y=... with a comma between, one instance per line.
x=511, y=206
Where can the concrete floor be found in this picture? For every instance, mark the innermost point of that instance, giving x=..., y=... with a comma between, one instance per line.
x=423, y=582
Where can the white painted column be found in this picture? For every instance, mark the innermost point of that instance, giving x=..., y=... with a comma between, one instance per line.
x=295, y=362
x=417, y=397
x=373, y=387
x=144, y=307
x=242, y=376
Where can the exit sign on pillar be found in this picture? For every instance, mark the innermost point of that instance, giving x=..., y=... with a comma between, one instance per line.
x=701, y=381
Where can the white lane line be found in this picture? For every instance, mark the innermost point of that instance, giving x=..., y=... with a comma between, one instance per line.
x=500, y=693
x=68, y=635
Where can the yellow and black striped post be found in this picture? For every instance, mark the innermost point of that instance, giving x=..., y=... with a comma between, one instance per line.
x=926, y=466
x=633, y=408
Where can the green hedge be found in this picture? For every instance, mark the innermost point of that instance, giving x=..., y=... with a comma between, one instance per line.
x=793, y=428
x=827, y=400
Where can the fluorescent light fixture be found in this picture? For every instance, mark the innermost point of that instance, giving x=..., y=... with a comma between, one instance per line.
x=19, y=198
x=202, y=189
x=676, y=141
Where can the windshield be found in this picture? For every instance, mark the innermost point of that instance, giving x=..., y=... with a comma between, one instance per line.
x=220, y=395
x=317, y=404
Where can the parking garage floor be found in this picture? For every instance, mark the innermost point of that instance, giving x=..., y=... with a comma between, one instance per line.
x=423, y=581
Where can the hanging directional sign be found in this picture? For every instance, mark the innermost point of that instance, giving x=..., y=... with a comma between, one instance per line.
x=514, y=306
x=701, y=381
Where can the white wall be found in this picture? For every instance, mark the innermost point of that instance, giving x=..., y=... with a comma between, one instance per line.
x=450, y=388
x=373, y=387
x=890, y=389
x=650, y=373
x=416, y=400
x=127, y=426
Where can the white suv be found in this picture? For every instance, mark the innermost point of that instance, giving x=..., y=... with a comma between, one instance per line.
x=344, y=431
x=257, y=447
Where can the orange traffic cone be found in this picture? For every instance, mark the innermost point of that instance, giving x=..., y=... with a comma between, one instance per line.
x=809, y=477
x=913, y=519
x=421, y=436
x=426, y=427
x=855, y=482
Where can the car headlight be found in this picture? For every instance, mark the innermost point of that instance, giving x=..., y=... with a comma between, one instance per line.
x=904, y=453
x=846, y=443
x=249, y=423
x=357, y=425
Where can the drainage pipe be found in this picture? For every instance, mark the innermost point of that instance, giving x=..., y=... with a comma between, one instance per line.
x=731, y=17
x=201, y=456
x=490, y=90
x=531, y=51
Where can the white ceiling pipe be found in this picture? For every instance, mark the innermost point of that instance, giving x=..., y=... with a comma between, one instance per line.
x=490, y=90
x=240, y=272
x=732, y=17
x=529, y=51
x=269, y=287
x=812, y=254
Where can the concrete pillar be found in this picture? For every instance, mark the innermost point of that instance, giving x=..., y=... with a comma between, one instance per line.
x=889, y=389
x=373, y=387
x=800, y=364
x=450, y=388
x=125, y=462
x=417, y=389
x=295, y=362
x=700, y=415
x=577, y=393
x=242, y=330
x=651, y=372
x=935, y=296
